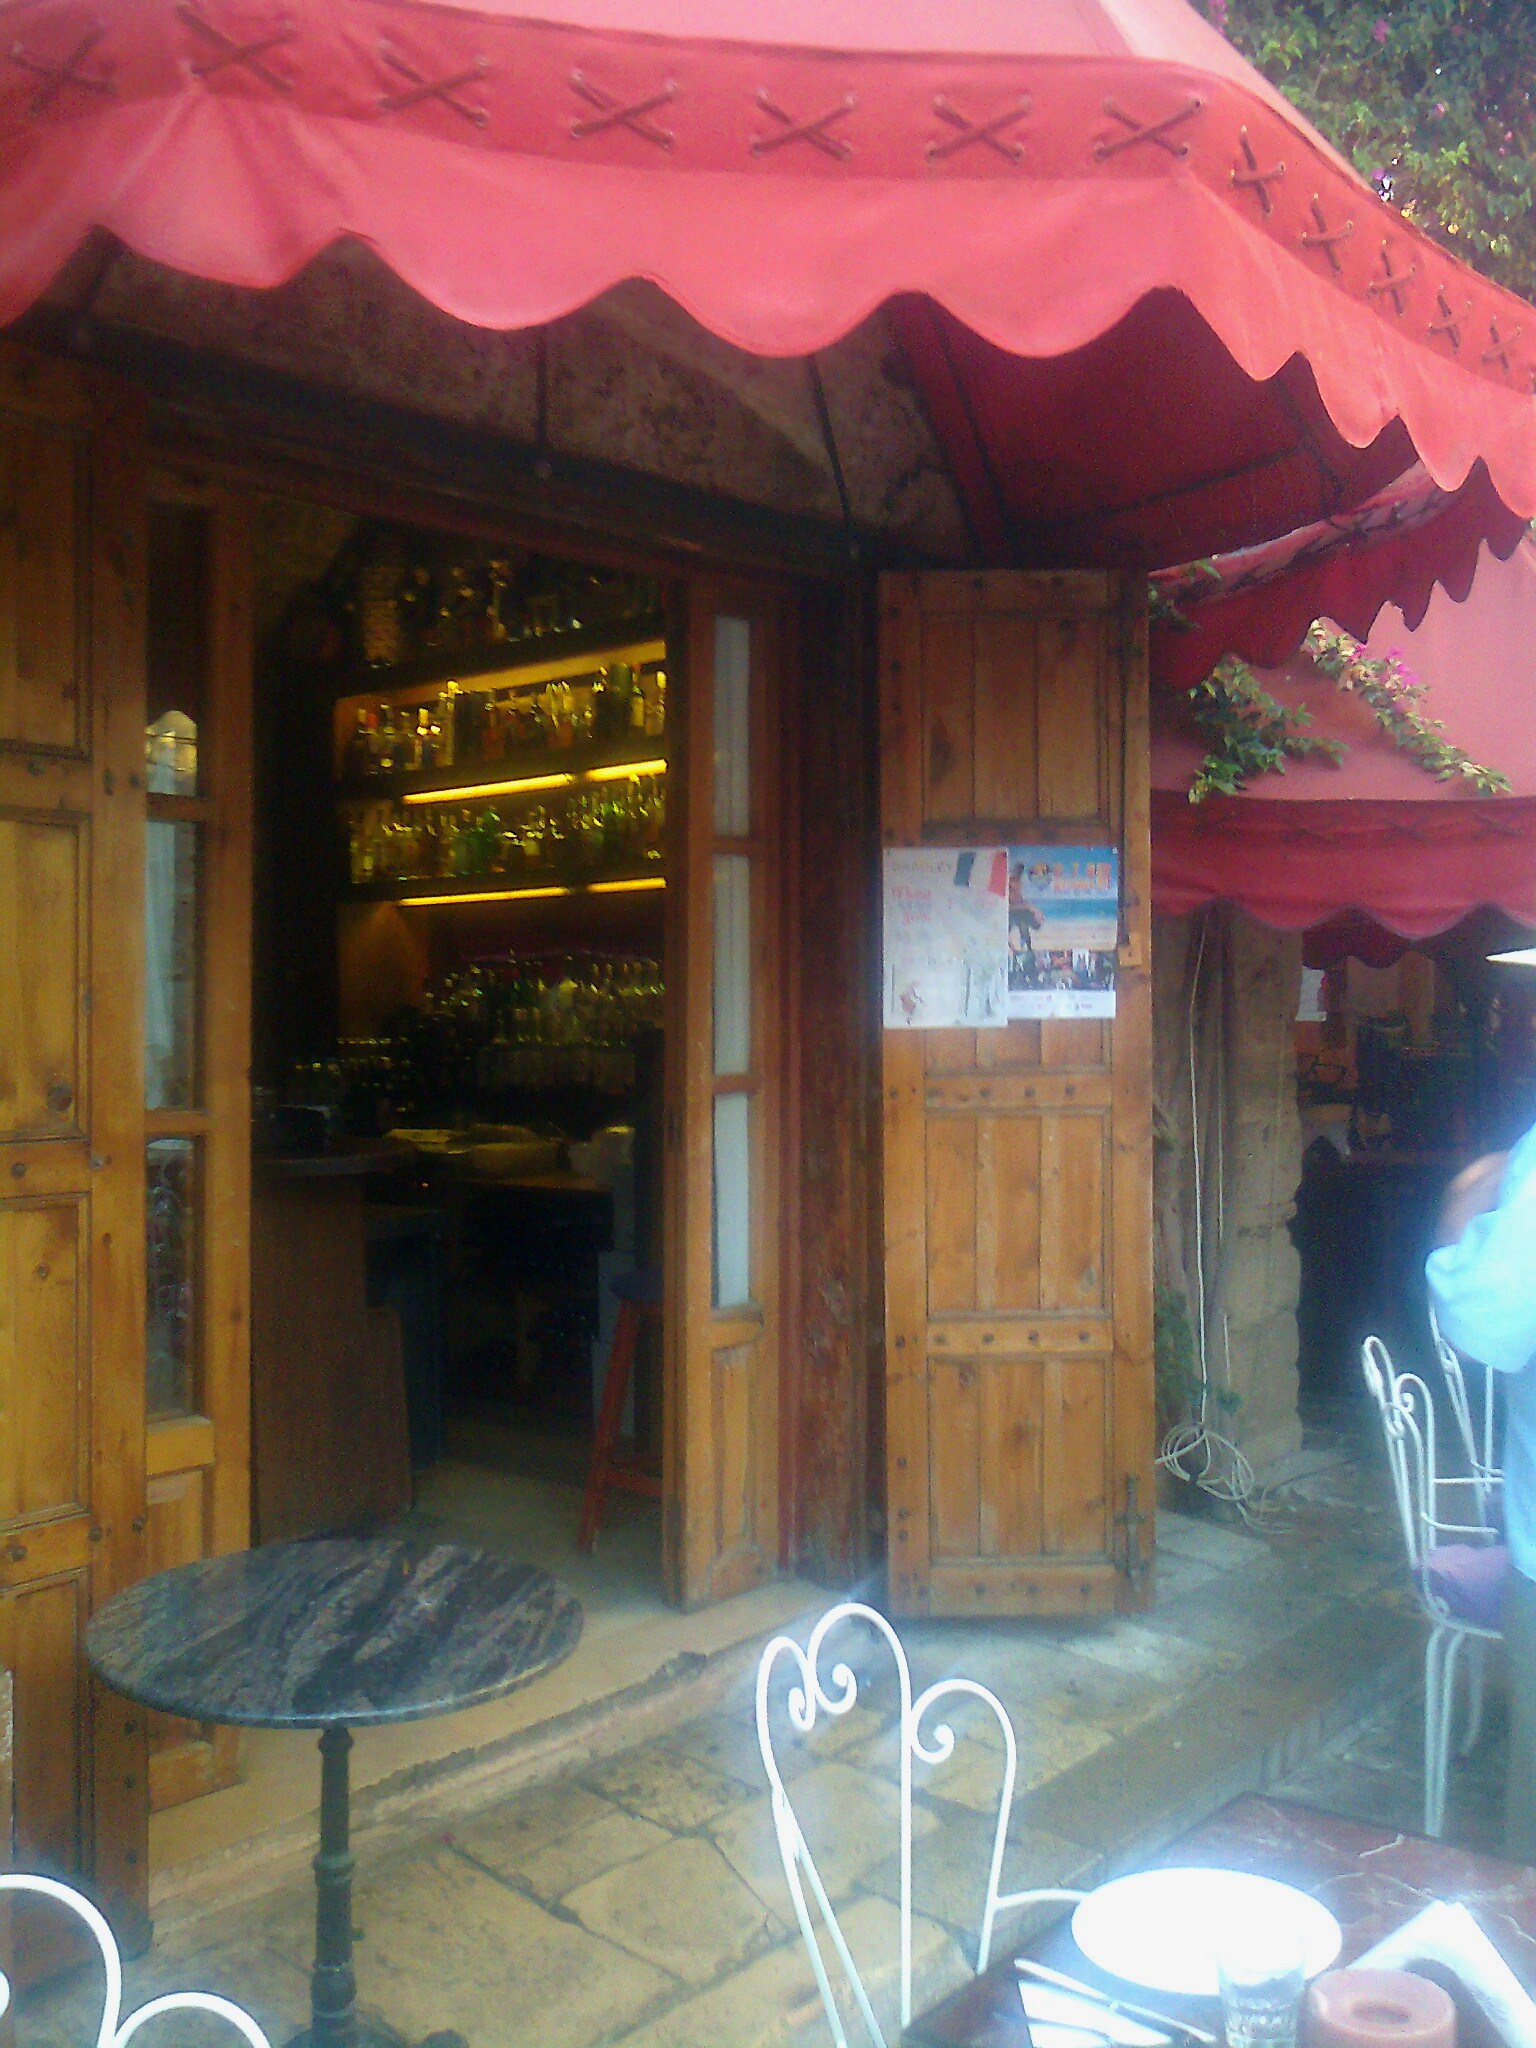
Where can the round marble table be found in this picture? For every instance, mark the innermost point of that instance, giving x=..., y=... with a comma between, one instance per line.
x=333, y=1633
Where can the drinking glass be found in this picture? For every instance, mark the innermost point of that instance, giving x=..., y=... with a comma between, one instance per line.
x=1263, y=1973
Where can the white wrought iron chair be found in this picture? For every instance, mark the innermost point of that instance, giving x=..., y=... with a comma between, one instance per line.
x=114, y=2031
x=1477, y=1433
x=809, y=1695
x=1445, y=1528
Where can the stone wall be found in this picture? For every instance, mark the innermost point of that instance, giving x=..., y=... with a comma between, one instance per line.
x=1250, y=1157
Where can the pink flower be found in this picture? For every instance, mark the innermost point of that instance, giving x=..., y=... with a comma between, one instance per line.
x=1219, y=14
x=1382, y=29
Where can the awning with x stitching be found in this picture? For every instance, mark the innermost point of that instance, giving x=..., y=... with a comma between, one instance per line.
x=1153, y=314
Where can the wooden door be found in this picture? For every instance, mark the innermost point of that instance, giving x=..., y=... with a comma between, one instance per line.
x=723, y=1095
x=72, y=1506
x=1017, y=1166
x=197, y=1117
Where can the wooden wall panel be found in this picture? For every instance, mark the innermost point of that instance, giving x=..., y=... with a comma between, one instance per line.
x=42, y=864
x=1017, y=1160
x=42, y=592
x=43, y=1372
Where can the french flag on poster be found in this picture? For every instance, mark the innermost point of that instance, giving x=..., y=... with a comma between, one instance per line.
x=986, y=870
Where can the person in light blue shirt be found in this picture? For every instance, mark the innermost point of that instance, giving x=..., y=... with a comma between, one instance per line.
x=1482, y=1280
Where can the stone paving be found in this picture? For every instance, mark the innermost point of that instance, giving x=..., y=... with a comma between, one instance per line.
x=639, y=1900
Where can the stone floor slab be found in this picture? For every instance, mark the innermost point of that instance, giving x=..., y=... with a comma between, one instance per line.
x=949, y=1872
x=664, y=1784
x=556, y=1867
x=448, y=1946
x=850, y=1821
x=773, y=2003
x=681, y=1907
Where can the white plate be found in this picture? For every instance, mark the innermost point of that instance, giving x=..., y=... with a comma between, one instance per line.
x=1162, y=1928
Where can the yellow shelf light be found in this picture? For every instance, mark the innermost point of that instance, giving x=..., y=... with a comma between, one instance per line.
x=480, y=896
x=469, y=790
x=615, y=888
x=620, y=769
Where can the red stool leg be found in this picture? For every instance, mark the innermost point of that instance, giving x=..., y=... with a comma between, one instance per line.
x=610, y=1419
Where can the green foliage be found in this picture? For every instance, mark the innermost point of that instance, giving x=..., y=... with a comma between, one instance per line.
x=1396, y=698
x=1175, y=1371
x=1249, y=731
x=1430, y=99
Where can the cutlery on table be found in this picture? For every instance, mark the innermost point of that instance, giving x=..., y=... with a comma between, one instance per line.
x=1182, y=2030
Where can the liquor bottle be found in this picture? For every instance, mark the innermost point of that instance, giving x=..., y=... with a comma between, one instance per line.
x=426, y=739
x=447, y=700
x=493, y=729
x=407, y=744
x=656, y=705
x=466, y=726
x=389, y=740
x=357, y=758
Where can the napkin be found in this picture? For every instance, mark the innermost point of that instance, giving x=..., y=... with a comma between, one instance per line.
x=1448, y=1935
x=1054, y=2016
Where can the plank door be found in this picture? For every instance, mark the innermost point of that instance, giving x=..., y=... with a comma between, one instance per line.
x=723, y=1095
x=1017, y=1163
x=72, y=1507
x=196, y=1068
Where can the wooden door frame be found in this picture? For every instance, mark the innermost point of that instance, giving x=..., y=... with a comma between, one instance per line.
x=206, y=1450
x=696, y=1332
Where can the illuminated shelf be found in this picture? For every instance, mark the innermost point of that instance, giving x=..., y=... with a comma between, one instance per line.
x=431, y=894
x=528, y=770
x=513, y=663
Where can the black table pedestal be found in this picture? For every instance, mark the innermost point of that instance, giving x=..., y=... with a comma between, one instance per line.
x=333, y=2020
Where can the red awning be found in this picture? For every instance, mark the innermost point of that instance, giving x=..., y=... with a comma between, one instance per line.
x=1374, y=834
x=1392, y=550
x=1153, y=313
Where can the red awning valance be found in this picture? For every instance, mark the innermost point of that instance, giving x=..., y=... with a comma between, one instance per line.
x=1154, y=314
x=1415, y=868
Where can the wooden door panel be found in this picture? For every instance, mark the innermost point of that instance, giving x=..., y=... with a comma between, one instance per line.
x=1014, y=1279
x=951, y=1196
x=1071, y=719
x=1007, y=755
x=949, y=733
x=43, y=1371
x=42, y=585
x=39, y=1628
x=1074, y=1506
x=1017, y=1160
x=1073, y=1269
x=721, y=1442
x=43, y=861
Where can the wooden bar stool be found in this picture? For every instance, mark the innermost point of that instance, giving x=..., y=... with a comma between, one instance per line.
x=639, y=1296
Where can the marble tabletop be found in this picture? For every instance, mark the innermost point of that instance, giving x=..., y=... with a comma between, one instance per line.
x=1371, y=1879
x=336, y=1631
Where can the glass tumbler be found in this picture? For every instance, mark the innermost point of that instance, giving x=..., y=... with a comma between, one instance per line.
x=1263, y=1974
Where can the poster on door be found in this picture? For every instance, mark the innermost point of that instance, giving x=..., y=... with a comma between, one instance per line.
x=945, y=929
x=1063, y=930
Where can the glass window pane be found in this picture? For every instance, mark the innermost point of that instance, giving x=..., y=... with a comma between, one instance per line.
x=733, y=963
x=171, y=1224
x=733, y=1201
x=176, y=652
x=733, y=726
x=171, y=965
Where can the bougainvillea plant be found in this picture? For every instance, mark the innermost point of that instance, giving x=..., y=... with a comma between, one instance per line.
x=1249, y=732
x=1432, y=100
